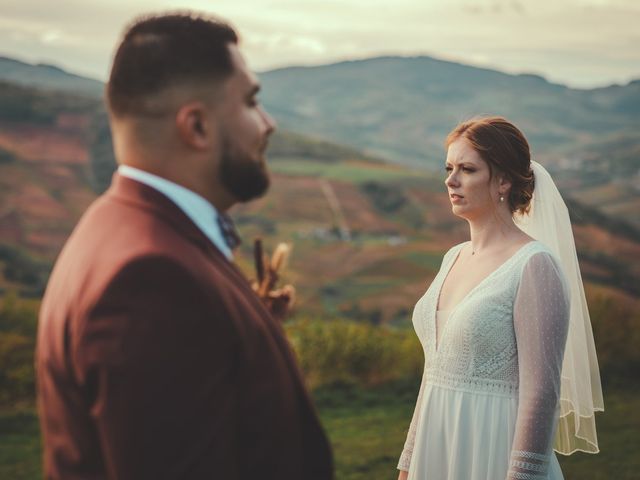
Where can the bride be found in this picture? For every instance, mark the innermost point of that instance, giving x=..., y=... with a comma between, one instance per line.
x=510, y=369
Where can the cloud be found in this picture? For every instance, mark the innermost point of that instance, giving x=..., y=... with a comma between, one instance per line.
x=495, y=7
x=280, y=43
x=575, y=41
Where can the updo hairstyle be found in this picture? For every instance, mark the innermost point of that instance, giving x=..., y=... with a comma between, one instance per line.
x=505, y=149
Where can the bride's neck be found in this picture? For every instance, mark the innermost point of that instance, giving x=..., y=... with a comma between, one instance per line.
x=492, y=233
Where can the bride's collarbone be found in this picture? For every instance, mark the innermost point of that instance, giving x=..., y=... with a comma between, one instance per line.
x=458, y=284
x=466, y=274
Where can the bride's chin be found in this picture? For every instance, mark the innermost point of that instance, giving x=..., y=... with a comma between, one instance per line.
x=457, y=211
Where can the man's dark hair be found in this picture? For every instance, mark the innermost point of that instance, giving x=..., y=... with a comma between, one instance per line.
x=162, y=51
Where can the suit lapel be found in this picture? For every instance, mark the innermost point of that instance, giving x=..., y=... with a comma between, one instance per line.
x=133, y=192
x=276, y=330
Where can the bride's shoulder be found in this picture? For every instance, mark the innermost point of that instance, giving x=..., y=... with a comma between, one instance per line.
x=539, y=256
x=536, y=248
x=453, y=251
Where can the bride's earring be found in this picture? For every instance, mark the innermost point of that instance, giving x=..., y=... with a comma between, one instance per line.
x=501, y=198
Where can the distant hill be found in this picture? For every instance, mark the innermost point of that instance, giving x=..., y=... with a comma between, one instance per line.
x=402, y=108
x=367, y=235
x=47, y=77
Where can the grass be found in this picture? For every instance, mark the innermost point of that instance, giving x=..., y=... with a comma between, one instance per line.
x=20, y=448
x=619, y=440
x=367, y=428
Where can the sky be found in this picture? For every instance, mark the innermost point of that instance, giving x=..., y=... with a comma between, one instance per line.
x=580, y=43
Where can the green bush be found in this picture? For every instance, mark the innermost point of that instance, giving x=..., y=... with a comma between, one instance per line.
x=22, y=268
x=18, y=320
x=6, y=156
x=616, y=332
x=337, y=351
x=387, y=198
x=17, y=379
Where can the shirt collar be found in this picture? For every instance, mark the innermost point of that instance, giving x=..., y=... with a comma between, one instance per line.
x=198, y=209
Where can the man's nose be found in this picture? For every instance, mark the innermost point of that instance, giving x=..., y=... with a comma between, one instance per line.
x=268, y=120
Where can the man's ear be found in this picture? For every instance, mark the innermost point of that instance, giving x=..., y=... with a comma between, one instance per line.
x=194, y=125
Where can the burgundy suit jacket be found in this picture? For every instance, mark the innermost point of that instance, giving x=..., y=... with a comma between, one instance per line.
x=155, y=359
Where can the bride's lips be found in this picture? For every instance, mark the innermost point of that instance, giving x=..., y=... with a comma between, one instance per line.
x=455, y=198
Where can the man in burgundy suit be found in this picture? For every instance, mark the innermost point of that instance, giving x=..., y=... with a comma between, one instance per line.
x=155, y=358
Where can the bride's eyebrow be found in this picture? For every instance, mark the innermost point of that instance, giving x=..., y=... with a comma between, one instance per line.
x=462, y=163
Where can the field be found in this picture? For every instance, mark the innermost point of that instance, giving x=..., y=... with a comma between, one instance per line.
x=367, y=429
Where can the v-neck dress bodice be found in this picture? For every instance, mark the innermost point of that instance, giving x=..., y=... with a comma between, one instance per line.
x=471, y=404
x=441, y=319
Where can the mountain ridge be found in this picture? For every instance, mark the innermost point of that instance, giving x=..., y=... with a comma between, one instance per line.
x=48, y=77
x=97, y=85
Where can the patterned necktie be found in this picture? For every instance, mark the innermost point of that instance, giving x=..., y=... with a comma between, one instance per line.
x=231, y=237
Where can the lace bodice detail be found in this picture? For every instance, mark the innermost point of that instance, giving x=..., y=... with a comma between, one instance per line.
x=513, y=323
x=477, y=348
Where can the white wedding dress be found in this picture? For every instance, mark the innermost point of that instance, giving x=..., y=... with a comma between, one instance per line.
x=488, y=403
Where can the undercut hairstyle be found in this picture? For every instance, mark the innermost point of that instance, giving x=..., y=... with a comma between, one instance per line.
x=506, y=150
x=164, y=51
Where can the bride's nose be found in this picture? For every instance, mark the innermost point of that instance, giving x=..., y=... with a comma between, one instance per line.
x=451, y=180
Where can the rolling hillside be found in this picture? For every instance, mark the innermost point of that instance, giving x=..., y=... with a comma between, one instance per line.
x=401, y=109
x=368, y=258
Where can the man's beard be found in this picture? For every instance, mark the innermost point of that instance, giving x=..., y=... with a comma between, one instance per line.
x=241, y=175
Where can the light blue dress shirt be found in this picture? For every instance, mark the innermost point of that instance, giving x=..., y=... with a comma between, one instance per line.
x=199, y=210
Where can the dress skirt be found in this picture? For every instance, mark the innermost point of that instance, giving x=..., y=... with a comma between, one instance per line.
x=468, y=436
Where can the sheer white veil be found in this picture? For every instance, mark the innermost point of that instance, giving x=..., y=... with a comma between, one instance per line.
x=581, y=391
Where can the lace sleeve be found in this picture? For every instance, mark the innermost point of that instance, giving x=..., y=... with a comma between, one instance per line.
x=541, y=320
x=407, y=451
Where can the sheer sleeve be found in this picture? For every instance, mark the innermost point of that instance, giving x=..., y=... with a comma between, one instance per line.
x=407, y=451
x=541, y=320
